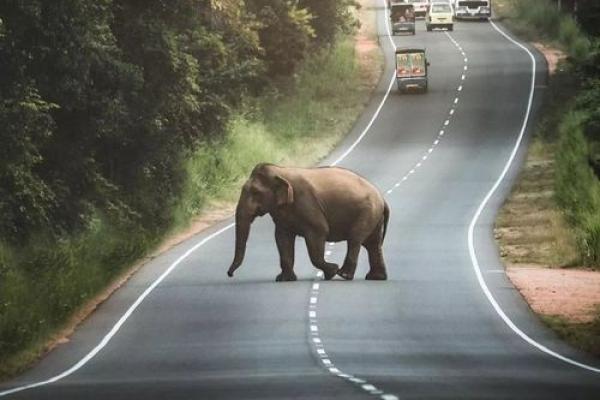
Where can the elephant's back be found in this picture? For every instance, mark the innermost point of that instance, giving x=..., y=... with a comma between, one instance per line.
x=343, y=181
x=347, y=198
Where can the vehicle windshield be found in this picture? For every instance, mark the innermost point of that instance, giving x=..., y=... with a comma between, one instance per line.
x=441, y=8
x=410, y=64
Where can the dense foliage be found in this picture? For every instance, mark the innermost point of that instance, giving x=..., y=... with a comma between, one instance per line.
x=106, y=106
x=101, y=98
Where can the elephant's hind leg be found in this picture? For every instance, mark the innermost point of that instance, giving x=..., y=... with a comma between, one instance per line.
x=349, y=268
x=374, y=247
x=316, y=250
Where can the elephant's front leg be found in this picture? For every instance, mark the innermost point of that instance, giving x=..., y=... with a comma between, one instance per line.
x=316, y=251
x=285, y=244
x=349, y=267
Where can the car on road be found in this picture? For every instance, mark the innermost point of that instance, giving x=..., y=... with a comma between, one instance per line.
x=450, y=2
x=439, y=15
x=420, y=7
x=402, y=17
x=411, y=69
x=473, y=9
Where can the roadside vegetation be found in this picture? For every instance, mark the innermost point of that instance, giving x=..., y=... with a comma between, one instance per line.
x=552, y=218
x=123, y=120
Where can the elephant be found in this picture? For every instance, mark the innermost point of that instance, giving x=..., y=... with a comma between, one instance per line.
x=323, y=204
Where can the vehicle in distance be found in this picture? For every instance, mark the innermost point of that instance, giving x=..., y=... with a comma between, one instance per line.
x=439, y=15
x=450, y=2
x=473, y=9
x=420, y=7
x=411, y=69
x=402, y=17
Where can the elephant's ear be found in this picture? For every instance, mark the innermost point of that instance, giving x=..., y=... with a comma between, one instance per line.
x=284, y=193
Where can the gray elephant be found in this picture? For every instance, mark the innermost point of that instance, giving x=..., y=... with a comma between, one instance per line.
x=320, y=204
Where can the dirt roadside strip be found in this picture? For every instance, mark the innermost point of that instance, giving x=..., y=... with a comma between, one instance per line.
x=369, y=60
x=538, y=248
x=572, y=294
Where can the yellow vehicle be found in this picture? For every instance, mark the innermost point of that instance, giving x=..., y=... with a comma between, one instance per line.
x=439, y=15
x=411, y=69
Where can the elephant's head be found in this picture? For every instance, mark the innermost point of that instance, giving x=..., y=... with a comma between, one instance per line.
x=262, y=193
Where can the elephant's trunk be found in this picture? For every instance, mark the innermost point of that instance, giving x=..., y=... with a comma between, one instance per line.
x=242, y=229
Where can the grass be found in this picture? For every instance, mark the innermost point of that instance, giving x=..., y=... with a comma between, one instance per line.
x=44, y=283
x=530, y=228
x=584, y=336
x=45, y=286
x=578, y=188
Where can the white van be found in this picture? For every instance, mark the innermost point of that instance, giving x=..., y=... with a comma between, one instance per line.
x=473, y=9
x=439, y=15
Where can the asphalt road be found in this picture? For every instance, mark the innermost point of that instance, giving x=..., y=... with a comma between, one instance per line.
x=428, y=332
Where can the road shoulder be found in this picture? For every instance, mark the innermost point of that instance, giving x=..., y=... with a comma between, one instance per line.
x=538, y=247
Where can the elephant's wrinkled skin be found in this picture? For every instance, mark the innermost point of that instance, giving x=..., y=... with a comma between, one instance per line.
x=326, y=204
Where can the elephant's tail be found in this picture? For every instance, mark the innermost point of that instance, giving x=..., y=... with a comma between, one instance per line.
x=386, y=217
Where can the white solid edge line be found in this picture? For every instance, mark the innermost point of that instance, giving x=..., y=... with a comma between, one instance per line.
x=482, y=206
x=364, y=132
x=387, y=93
x=121, y=320
x=150, y=288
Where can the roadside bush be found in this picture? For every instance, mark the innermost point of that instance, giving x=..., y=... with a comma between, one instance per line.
x=540, y=14
x=588, y=15
x=285, y=34
x=589, y=100
x=590, y=237
x=568, y=32
x=544, y=18
x=578, y=188
x=331, y=17
x=44, y=282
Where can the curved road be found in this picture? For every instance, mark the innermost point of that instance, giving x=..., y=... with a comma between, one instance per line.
x=428, y=332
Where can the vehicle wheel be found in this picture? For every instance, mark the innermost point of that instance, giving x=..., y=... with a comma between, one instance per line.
x=451, y=28
x=429, y=29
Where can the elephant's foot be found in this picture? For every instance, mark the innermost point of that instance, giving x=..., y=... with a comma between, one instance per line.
x=286, y=277
x=376, y=276
x=346, y=273
x=329, y=271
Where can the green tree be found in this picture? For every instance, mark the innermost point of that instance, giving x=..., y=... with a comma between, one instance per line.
x=101, y=98
x=285, y=33
x=331, y=17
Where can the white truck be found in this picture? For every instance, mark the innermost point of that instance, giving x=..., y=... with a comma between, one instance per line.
x=473, y=9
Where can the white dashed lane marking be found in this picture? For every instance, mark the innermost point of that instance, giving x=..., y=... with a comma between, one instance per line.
x=326, y=361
